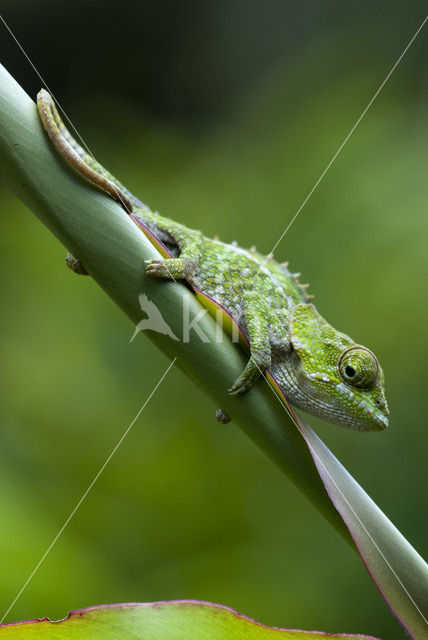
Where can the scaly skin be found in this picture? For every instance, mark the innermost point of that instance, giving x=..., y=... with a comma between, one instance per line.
x=318, y=369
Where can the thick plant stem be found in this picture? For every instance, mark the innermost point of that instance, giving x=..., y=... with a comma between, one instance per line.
x=113, y=250
x=95, y=228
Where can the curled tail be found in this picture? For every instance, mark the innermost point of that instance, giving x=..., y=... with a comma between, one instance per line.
x=75, y=155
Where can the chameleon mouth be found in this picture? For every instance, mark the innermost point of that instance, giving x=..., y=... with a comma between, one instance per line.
x=372, y=419
x=380, y=415
x=381, y=422
x=379, y=425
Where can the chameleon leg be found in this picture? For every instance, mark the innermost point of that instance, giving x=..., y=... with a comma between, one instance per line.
x=222, y=416
x=257, y=316
x=75, y=265
x=190, y=244
x=278, y=329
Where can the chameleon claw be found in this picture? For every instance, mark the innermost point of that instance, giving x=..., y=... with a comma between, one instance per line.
x=239, y=386
x=234, y=391
x=75, y=265
x=222, y=416
x=155, y=267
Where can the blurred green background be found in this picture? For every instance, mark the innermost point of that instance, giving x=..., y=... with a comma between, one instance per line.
x=220, y=115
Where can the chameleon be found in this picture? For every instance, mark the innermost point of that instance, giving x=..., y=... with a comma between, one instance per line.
x=317, y=368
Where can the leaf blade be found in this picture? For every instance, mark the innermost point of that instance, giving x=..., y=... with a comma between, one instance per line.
x=173, y=620
x=399, y=572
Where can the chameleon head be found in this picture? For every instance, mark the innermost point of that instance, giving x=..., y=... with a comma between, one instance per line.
x=333, y=376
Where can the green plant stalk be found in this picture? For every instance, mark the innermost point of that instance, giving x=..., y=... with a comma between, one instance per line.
x=95, y=228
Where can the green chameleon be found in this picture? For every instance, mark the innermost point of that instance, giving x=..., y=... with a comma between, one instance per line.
x=317, y=368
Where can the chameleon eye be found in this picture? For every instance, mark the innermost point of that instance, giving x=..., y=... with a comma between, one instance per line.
x=358, y=367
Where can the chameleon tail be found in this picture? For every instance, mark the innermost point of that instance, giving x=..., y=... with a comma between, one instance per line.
x=71, y=150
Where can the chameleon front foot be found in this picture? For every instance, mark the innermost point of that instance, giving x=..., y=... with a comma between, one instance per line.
x=172, y=268
x=75, y=265
x=222, y=416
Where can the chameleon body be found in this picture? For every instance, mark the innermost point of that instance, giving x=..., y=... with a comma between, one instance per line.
x=317, y=368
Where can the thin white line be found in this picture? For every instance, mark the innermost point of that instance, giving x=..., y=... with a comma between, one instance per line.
x=347, y=137
x=45, y=84
x=118, y=192
x=315, y=455
x=20, y=592
x=40, y=562
x=284, y=406
x=294, y=419
x=172, y=363
x=379, y=550
x=345, y=499
x=57, y=102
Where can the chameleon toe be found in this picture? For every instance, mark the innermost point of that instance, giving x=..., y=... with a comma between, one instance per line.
x=222, y=416
x=240, y=386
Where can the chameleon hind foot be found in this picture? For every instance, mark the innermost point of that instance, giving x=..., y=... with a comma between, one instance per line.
x=222, y=416
x=75, y=265
x=248, y=377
